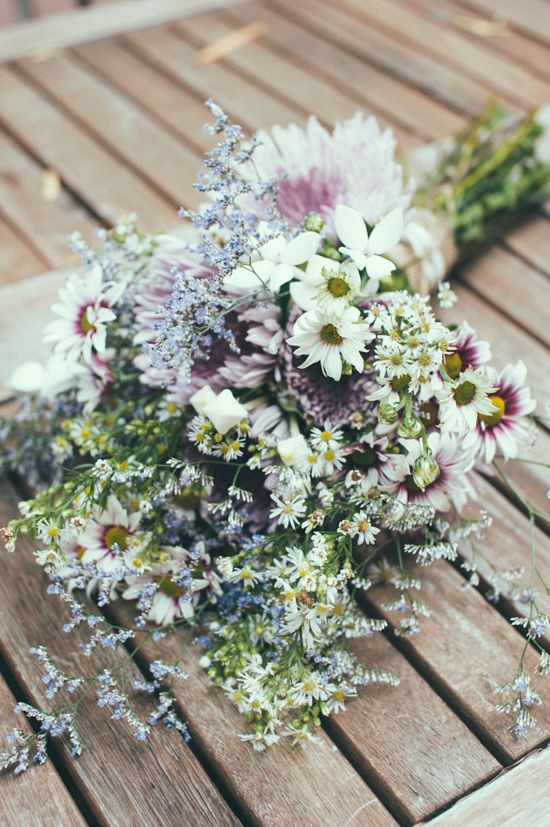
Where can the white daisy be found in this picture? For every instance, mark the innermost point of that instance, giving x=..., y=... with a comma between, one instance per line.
x=326, y=284
x=366, y=251
x=85, y=309
x=108, y=535
x=276, y=262
x=365, y=532
x=288, y=511
x=462, y=401
x=329, y=339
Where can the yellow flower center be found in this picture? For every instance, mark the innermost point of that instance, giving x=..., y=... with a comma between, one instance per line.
x=453, y=364
x=85, y=323
x=116, y=535
x=338, y=287
x=494, y=418
x=329, y=334
x=400, y=383
x=168, y=586
x=464, y=393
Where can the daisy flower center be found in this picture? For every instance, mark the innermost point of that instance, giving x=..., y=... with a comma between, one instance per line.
x=85, y=324
x=464, y=393
x=329, y=335
x=116, y=536
x=365, y=457
x=338, y=287
x=453, y=364
x=400, y=383
x=168, y=586
x=494, y=418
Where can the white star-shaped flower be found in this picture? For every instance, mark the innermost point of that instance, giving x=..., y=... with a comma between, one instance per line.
x=367, y=251
x=277, y=263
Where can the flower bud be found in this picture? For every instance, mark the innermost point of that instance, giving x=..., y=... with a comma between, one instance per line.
x=425, y=471
x=410, y=428
x=314, y=222
x=387, y=414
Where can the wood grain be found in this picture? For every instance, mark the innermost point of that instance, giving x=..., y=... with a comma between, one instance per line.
x=19, y=259
x=419, y=753
x=47, y=224
x=124, y=782
x=467, y=650
x=251, y=107
x=529, y=16
x=38, y=797
x=99, y=179
x=124, y=128
x=518, y=796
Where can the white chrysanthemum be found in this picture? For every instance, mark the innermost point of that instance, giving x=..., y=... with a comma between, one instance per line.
x=329, y=285
x=85, y=308
x=462, y=401
x=329, y=339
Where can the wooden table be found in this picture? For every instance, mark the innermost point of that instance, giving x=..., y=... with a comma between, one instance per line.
x=119, y=121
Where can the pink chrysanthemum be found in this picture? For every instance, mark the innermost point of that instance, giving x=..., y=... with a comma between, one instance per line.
x=454, y=457
x=353, y=165
x=506, y=428
x=257, y=332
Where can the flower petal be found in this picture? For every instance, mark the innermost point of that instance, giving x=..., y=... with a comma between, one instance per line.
x=387, y=233
x=351, y=227
x=301, y=248
x=379, y=267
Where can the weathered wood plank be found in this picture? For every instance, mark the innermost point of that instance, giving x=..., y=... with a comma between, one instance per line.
x=510, y=285
x=140, y=777
x=531, y=240
x=47, y=223
x=518, y=796
x=89, y=170
x=251, y=106
x=495, y=72
x=18, y=259
x=163, y=97
x=406, y=738
x=529, y=16
x=128, y=132
x=403, y=105
x=38, y=797
x=467, y=650
x=392, y=56
x=82, y=25
x=505, y=39
x=285, y=67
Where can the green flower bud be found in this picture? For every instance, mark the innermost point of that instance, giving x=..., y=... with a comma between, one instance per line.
x=314, y=222
x=387, y=414
x=410, y=428
x=425, y=471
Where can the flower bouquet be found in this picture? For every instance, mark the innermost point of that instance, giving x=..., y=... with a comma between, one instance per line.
x=242, y=432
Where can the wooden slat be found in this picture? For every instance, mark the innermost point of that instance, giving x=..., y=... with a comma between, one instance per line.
x=129, y=133
x=38, y=797
x=101, y=181
x=162, y=96
x=411, y=109
x=518, y=796
x=419, y=752
x=250, y=106
x=529, y=16
x=282, y=67
x=37, y=37
x=530, y=478
x=391, y=55
x=513, y=287
x=530, y=241
x=122, y=781
x=506, y=545
x=47, y=224
x=507, y=40
x=18, y=259
x=467, y=650
x=495, y=72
